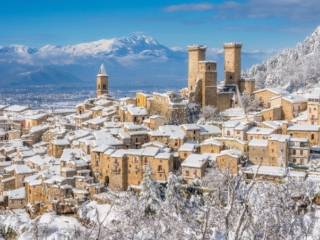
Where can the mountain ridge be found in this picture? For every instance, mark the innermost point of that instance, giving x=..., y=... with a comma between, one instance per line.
x=136, y=60
x=293, y=69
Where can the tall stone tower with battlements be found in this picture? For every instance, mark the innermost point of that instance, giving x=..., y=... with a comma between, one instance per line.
x=196, y=54
x=208, y=76
x=102, y=82
x=232, y=63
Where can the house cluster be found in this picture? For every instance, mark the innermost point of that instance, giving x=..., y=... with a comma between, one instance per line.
x=57, y=159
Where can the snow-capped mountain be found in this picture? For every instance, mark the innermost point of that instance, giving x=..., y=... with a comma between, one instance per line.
x=134, y=46
x=134, y=61
x=292, y=69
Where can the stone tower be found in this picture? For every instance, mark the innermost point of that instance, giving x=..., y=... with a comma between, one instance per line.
x=102, y=81
x=232, y=63
x=196, y=53
x=208, y=77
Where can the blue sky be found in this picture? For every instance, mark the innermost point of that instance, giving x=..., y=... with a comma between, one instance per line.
x=258, y=24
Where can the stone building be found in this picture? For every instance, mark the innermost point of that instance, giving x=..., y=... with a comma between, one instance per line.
x=229, y=161
x=170, y=106
x=196, y=53
x=279, y=150
x=202, y=77
x=194, y=166
x=232, y=63
x=314, y=109
x=57, y=146
x=102, y=82
x=311, y=132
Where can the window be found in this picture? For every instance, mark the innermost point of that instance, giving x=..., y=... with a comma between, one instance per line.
x=301, y=152
x=159, y=168
x=294, y=152
x=187, y=173
x=312, y=136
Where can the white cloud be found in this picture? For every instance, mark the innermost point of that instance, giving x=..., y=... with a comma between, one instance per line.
x=289, y=9
x=189, y=7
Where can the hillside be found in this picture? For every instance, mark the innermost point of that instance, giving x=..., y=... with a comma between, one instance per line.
x=292, y=69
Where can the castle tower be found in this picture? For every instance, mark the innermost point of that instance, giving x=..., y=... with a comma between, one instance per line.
x=208, y=76
x=232, y=63
x=196, y=53
x=102, y=81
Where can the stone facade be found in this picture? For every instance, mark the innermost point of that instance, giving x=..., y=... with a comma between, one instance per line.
x=102, y=82
x=232, y=63
x=196, y=53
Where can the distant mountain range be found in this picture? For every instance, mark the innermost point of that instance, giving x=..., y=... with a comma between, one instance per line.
x=295, y=69
x=135, y=61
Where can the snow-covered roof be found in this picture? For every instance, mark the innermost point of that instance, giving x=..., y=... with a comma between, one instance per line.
x=211, y=141
x=19, y=169
x=195, y=160
x=71, y=154
x=210, y=129
x=36, y=116
x=233, y=112
x=274, y=124
x=102, y=71
x=296, y=139
x=19, y=193
x=279, y=137
x=303, y=116
x=273, y=90
x=119, y=153
x=155, y=144
x=172, y=131
x=188, y=147
x=39, y=128
x=259, y=130
x=258, y=143
x=190, y=127
x=266, y=170
x=163, y=155
x=61, y=142
x=231, y=152
x=38, y=160
x=137, y=111
x=16, y=108
x=304, y=127
x=96, y=121
x=295, y=98
x=231, y=123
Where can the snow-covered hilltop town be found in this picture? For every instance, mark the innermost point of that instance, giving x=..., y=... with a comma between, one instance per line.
x=213, y=161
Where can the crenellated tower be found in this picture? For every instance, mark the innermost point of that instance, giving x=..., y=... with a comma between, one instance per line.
x=232, y=63
x=196, y=53
x=208, y=75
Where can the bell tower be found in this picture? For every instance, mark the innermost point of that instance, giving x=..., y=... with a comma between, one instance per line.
x=102, y=81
